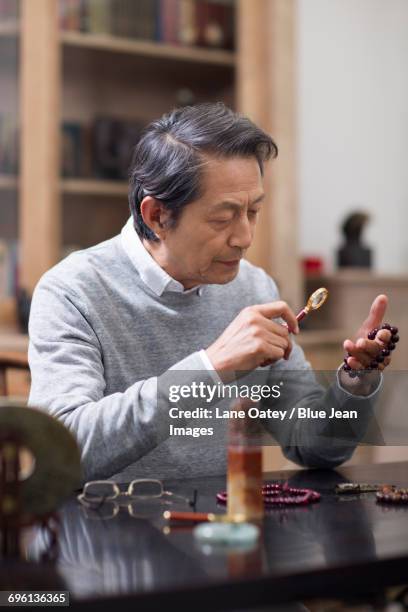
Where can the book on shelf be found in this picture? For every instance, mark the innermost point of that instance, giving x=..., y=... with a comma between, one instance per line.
x=72, y=143
x=208, y=23
x=215, y=24
x=167, y=29
x=96, y=18
x=134, y=19
x=70, y=12
x=187, y=22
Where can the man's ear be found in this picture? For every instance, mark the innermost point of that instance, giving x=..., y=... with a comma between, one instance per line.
x=154, y=215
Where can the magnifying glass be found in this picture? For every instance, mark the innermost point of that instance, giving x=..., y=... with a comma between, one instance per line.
x=314, y=302
x=316, y=299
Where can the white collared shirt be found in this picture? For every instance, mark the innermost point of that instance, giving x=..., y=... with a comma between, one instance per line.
x=151, y=273
x=154, y=276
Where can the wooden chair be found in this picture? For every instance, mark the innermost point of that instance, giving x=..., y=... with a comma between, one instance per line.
x=10, y=360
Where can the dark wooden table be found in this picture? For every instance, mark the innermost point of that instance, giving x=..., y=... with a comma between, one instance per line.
x=339, y=547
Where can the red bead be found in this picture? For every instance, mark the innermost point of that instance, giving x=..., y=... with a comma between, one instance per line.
x=394, y=330
x=391, y=346
x=372, y=335
x=395, y=339
x=385, y=352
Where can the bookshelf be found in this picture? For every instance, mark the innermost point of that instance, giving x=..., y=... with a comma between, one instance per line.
x=94, y=187
x=75, y=76
x=114, y=44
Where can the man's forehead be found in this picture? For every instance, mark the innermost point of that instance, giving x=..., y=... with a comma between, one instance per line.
x=232, y=179
x=237, y=201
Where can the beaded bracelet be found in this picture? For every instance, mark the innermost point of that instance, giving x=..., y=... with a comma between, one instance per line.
x=389, y=494
x=385, y=352
x=275, y=494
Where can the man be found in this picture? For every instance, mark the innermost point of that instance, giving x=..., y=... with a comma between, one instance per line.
x=111, y=326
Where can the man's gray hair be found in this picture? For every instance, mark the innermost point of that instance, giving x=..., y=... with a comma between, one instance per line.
x=168, y=160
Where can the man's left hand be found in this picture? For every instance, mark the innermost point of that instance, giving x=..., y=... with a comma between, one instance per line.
x=363, y=351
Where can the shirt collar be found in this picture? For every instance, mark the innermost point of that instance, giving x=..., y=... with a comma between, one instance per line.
x=150, y=272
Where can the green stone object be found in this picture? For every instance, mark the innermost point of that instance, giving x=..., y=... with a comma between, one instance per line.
x=57, y=469
x=226, y=534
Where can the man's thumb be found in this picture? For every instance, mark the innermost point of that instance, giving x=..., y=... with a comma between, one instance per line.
x=377, y=312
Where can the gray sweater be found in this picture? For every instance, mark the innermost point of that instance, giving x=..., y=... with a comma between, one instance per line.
x=104, y=346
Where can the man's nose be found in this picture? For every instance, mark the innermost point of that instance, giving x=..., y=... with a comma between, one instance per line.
x=242, y=234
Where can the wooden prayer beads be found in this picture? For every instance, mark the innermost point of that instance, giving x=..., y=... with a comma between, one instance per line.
x=276, y=494
x=392, y=495
x=381, y=355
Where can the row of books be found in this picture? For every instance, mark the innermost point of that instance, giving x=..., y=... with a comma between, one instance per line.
x=8, y=268
x=204, y=23
x=102, y=149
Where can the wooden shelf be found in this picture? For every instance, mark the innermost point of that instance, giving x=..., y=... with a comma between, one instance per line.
x=9, y=28
x=146, y=48
x=94, y=187
x=76, y=186
x=8, y=182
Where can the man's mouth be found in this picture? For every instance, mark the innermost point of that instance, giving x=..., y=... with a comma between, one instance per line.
x=231, y=263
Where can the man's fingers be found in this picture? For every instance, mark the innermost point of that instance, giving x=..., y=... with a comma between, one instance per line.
x=363, y=358
x=371, y=347
x=383, y=336
x=354, y=363
x=363, y=351
x=377, y=312
x=348, y=346
x=364, y=345
x=272, y=310
x=288, y=351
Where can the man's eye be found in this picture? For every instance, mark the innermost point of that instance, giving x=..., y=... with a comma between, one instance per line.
x=225, y=220
x=252, y=213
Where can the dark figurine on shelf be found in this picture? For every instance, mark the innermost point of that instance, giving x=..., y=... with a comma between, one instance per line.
x=353, y=253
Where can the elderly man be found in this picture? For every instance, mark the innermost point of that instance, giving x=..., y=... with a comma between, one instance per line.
x=172, y=293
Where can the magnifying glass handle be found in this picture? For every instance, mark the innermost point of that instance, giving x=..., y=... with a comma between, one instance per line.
x=300, y=315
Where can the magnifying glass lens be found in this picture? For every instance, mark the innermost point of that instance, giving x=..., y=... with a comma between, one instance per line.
x=318, y=298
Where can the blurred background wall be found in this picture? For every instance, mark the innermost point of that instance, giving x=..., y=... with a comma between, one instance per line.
x=353, y=125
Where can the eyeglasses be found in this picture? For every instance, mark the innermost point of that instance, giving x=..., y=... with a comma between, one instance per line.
x=105, y=498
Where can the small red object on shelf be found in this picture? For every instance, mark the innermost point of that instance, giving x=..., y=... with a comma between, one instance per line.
x=312, y=266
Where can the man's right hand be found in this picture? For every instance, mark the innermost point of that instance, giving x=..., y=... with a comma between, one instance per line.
x=253, y=338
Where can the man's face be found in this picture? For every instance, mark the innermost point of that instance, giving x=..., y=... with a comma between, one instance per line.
x=214, y=231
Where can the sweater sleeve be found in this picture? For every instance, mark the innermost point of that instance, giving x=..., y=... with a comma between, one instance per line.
x=312, y=441
x=67, y=373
